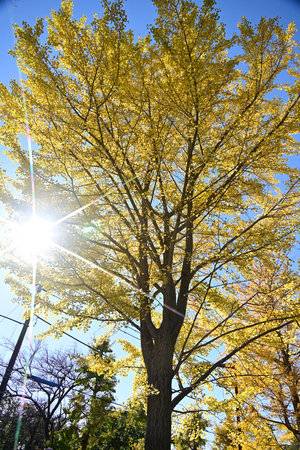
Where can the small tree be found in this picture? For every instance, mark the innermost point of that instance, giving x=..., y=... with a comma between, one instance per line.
x=93, y=422
x=90, y=405
x=47, y=403
x=124, y=428
x=222, y=438
x=190, y=434
x=32, y=433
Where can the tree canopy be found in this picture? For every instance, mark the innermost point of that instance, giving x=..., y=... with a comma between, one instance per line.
x=164, y=168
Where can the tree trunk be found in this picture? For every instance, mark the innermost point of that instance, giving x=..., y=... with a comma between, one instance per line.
x=159, y=368
x=85, y=439
x=32, y=435
x=47, y=429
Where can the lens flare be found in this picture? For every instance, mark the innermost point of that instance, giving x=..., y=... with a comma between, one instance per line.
x=33, y=237
x=96, y=266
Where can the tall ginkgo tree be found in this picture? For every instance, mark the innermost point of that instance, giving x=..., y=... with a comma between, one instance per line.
x=157, y=163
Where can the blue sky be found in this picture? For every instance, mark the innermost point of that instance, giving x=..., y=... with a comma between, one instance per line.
x=140, y=13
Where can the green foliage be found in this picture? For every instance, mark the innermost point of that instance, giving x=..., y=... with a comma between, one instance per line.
x=32, y=431
x=222, y=438
x=89, y=406
x=123, y=429
x=93, y=422
x=191, y=431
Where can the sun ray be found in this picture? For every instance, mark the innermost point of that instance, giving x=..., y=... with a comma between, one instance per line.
x=34, y=251
x=8, y=249
x=96, y=266
x=34, y=264
x=82, y=208
x=36, y=222
x=9, y=222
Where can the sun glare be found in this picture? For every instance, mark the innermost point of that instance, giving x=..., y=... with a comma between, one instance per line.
x=33, y=237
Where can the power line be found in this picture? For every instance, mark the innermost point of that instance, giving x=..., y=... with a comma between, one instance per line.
x=122, y=331
x=9, y=313
x=85, y=393
x=9, y=318
x=90, y=395
x=67, y=334
x=78, y=340
x=39, y=288
x=48, y=323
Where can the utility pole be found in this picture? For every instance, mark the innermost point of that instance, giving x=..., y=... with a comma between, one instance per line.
x=38, y=288
x=13, y=359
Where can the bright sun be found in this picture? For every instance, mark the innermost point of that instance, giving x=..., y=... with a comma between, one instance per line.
x=33, y=237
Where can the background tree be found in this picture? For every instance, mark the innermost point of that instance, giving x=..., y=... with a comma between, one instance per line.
x=89, y=407
x=176, y=148
x=222, y=439
x=79, y=415
x=44, y=404
x=272, y=383
x=263, y=379
x=93, y=421
x=190, y=433
x=249, y=432
x=32, y=431
x=124, y=428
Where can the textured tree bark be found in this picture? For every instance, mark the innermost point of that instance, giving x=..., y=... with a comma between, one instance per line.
x=159, y=410
x=158, y=343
